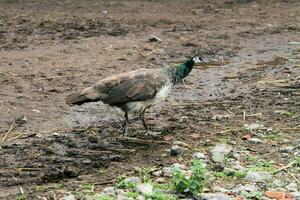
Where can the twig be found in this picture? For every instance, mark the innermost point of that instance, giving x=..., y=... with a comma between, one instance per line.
x=244, y=117
x=6, y=134
x=284, y=167
x=292, y=175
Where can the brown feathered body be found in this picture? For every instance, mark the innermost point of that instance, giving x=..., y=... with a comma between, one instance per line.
x=133, y=91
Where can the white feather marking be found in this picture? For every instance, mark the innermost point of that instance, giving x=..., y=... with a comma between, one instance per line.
x=161, y=95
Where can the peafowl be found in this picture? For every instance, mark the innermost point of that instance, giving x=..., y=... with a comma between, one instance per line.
x=136, y=91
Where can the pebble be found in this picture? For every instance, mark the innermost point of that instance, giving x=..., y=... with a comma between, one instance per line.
x=287, y=149
x=198, y=156
x=253, y=126
x=220, y=189
x=292, y=187
x=160, y=180
x=157, y=173
x=175, y=150
x=109, y=190
x=144, y=188
x=277, y=183
x=166, y=171
x=133, y=179
x=68, y=196
x=244, y=188
x=140, y=197
x=258, y=176
x=219, y=152
x=212, y=196
x=255, y=140
x=121, y=197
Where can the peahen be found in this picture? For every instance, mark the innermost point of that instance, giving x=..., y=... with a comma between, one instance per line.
x=135, y=91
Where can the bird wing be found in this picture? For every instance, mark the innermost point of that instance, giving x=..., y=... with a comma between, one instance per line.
x=137, y=85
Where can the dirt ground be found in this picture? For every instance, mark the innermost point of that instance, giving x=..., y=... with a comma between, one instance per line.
x=52, y=48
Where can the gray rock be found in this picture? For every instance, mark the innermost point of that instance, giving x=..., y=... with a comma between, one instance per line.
x=287, y=149
x=244, y=188
x=140, y=197
x=133, y=180
x=144, y=188
x=219, y=189
x=175, y=150
x=296, y=195
x=212, y=196
x=255, y=140
x=253, y=126
x=167, y=171
x=219, y=152
x=109, y=190
x=68, y=196
x=157, y=173
x=122, y=197
x=277, y=183
x=198, y=156
x=258, y=176
x=292, y=187
x=236, y=165
x=120, y=192
x=181, y=166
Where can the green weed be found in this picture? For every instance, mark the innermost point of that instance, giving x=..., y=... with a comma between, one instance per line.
x=189, y=185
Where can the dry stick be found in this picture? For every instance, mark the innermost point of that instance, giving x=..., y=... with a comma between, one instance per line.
x=244, y=117
x=284, y=167
x=292, y=175
x=52, y=77
x=6, y=134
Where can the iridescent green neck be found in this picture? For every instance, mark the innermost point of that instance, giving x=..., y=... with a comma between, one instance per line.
x=183, y=70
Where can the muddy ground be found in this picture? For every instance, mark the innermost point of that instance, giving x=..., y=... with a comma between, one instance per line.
x=52, y=48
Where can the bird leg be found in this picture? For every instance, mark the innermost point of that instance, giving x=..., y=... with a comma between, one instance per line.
x=142, y=116
x=125, y=124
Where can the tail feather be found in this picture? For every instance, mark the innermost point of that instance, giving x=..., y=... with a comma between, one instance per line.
x=77, y=99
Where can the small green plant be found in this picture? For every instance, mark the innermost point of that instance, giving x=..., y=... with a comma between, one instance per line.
x=297, y=162
x=189, y=185
x=162, y=186
x=21, y=196
x=133, y=195
x=145, y=174
x=255, y=195
x=157, y=195
x=88, y=187
x=106, y=197
x=123, y=183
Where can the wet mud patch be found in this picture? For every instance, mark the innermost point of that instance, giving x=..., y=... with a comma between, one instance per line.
x=66, y=155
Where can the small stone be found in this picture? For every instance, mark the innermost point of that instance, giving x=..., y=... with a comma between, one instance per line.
x=220, y=189
x=287, y=149
x=122, y=197
x=277, y=183
x=198, y=156
x=292, y=187
x=144, y=188
x=154, y=39
x=120, y=192
x=161, y=180
x=258, y=176
x=181, y=166
x=175, y=150
x=253, y=126
x=212, y=196
x=157, y=173
x=69, y=196
x=275, y=195
x=219, y=152
x=221, y=117
x=246, y=137
x=255, y=141
x=21, y=120
x=133, y=179
x=167, y=171
x=140, y=197
x=296, y=195
x=244, y=188
x=109, y=190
